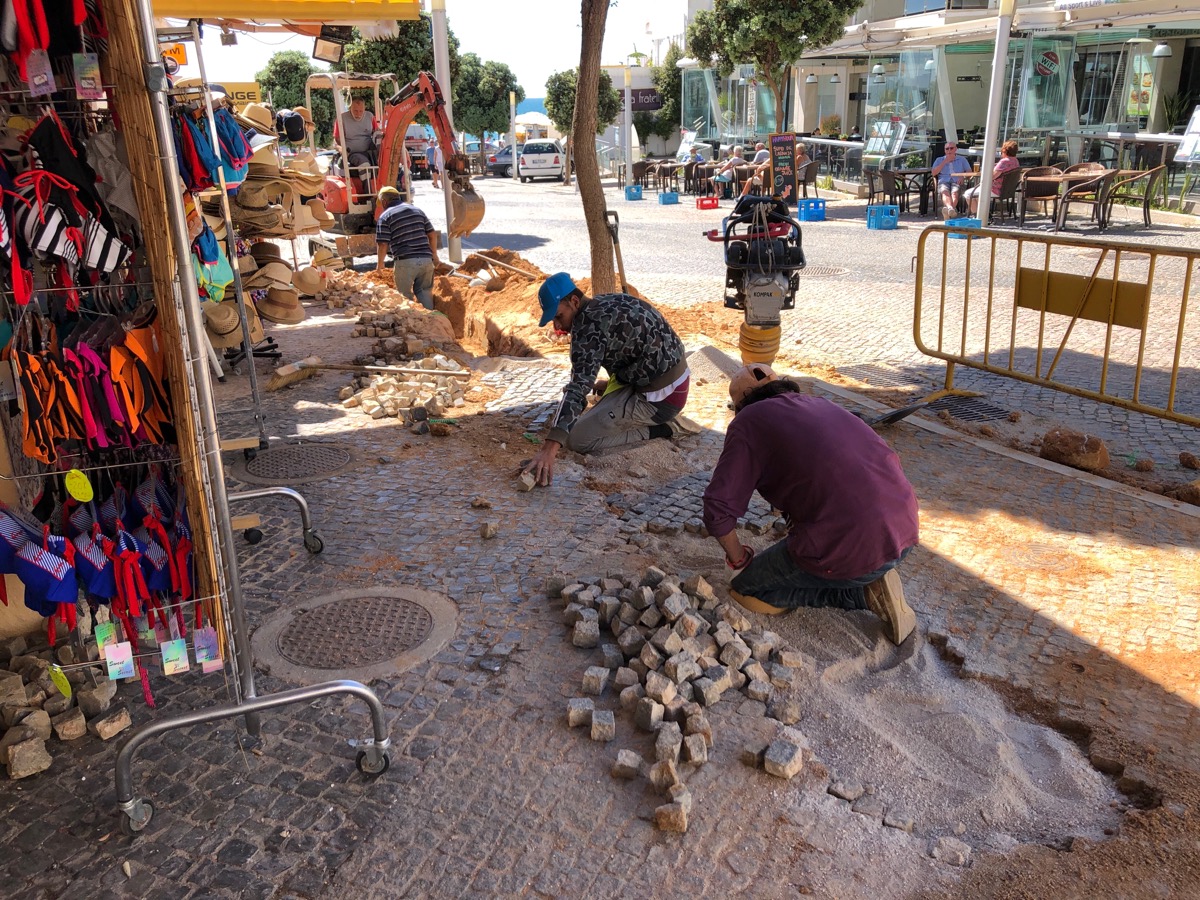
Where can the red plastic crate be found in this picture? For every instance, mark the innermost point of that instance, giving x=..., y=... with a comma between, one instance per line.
x=706, y=203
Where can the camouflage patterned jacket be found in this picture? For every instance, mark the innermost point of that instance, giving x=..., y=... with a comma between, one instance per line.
x=630, y=339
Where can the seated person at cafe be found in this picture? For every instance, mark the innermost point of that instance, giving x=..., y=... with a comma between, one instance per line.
x=725, y=174
x=1007, y=163
x=949, y=188
x=855, y=133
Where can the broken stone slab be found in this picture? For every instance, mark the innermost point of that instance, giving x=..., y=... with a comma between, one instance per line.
x=671, y=817
x=70, y=726
x=846, y=790
x=783, y=759
x=663, y=775
x=951, y=851
x=595, y=680
x=785, y=709
x=648, y=714
x=695, y=749
x=629, y=764
x=604, y=725
x=668, y=743
x=899, y=820
x=27, y=758
x=753, y=754
x=659, y=687
x=586, y=634
x=631, y=695
x=109, y=726
x=579, y=712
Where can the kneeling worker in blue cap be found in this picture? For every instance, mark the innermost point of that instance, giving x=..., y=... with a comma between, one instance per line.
x=648, y=373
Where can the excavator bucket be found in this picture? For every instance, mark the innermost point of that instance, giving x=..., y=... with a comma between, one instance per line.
x=468, y=210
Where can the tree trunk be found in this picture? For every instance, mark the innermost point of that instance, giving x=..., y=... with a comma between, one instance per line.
x=568, y=150
x=587, y=170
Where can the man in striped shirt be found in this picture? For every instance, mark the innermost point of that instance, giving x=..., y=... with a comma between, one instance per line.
x=407, y=233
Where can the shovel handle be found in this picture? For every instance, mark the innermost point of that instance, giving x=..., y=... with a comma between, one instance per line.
x=613, y=221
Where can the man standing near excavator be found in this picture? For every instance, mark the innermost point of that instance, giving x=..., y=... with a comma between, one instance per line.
x=851, y=513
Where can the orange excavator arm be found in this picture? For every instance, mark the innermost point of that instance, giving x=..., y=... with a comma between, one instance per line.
x=424, y=95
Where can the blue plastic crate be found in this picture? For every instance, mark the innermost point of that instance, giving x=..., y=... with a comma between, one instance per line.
x=883, y=217
x=962, y=223
x=633, y=192
x=666, y=198
x=810, y=210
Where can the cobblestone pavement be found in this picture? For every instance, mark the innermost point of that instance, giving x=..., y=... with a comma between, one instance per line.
x=1076, y=598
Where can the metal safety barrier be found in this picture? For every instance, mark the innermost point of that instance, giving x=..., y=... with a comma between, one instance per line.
x=1101, y=319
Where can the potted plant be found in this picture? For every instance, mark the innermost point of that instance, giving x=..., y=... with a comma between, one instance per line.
x=1175, y=108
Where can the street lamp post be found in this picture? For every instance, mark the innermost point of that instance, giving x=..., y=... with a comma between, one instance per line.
x=627, y=123
x=512, y=132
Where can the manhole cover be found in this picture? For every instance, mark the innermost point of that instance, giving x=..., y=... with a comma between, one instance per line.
x=969, y=409
x=823, y=271
x=296, y=463
x=356, y=631
x=359, y=634
x=869, y=373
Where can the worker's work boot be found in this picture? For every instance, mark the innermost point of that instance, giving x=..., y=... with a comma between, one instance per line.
x=885, y=598
x=755, y=605
x=681, y=425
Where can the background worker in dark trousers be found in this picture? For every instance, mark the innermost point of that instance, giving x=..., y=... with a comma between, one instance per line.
x=407, y=233
x=851, y=513
x=648, y=373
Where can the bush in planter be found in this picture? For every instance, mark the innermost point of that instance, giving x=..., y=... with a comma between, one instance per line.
x=831, y=124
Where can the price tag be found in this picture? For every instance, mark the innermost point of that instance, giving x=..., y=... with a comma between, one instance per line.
x=59, y=677
x=79, y=487
x=87, y=76
x=39, y=75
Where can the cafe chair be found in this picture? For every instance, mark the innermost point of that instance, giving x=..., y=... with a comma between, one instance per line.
x=895, y=188
x=1084, y=167
x=1005, y=205
x=1038, y=193
x=809, y=175
x=874, y=190
x=1092, y=192
x=1140, y=188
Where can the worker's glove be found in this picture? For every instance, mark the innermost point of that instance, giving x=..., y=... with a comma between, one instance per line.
x=747, y=555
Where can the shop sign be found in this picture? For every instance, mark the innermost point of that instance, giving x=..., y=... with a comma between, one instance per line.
x=177, y=52
x=783, y=165
x=1062, y=5
x=642, y=99
x=1047, y=64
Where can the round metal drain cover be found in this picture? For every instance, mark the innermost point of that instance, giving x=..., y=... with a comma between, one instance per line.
x=358, y=634
x=823, y=271
x=297, y=463
x=355, y=631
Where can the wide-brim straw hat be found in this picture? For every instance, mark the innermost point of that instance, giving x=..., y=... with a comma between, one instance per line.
x=265, y=251
x=222, y=325
x=325, y=258
x=273, y=273
x=257, y=116
x=302, y=112
x=267, y=157
x=281, y=306
x=308, y=281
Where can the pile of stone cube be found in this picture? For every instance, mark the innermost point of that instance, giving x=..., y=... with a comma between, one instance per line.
x=415, y=398
x=356, y=290
x=33, y=709
x=378, y=324
x=675, y=651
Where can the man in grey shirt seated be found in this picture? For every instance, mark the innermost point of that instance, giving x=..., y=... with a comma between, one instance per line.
x=360, y=130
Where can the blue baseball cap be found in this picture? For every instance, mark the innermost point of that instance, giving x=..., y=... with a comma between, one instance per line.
x=553, y=291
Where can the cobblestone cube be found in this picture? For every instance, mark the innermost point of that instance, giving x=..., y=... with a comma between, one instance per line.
x=734, y=617
x=70, y=726
x=753, y=754
x=689, y=625
x=631, y=695
x=951, y=851
x=668, y=743
x=673, y=607
x=488, y=530
x=720, y=677
x=96, y=700
x=579, y=711
x=639, y=667
x=681, y=667
x=650, y=657
x=607, y=607
x=650, y=617
x=553, y=584
x=678, y=793
x=737, y=680
x=570, y=592
x=612, y=586
x=648, y=714
x=671, y=817
x=586, y=634
x=110, y=726
x=659, y=687
x=781, y=676
x=616, y=626
x=699, y=589
x=631, y=641
x=686, y=691
x=595, y=680
x=789, y=657
x=783, y=759
x=760, y=647
x=604, y=725
x=643, y=598
x=898, y=819
x=625, y=677
x=28, y=758
x=628, y=613
x=697, y=723
x=39, y=721
x=707, y=693
x=695, y=749
x=653, y=577
x=666, y=640
x=611, y=656
x=12, y=687
x=785, y=709
x=673, y=711
x=663, y=775
x=754, y=671
x=759, y=690
x=735, y=654
x=572, y=613
x=846, y=790
x=629, y=764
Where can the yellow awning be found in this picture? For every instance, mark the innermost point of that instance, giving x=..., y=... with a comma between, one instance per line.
x=290, y=10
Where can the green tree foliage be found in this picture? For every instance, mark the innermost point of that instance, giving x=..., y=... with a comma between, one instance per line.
x=770, y=34
x=405, y=55
x=560, y=100
x=283, y=81
x=481, y=95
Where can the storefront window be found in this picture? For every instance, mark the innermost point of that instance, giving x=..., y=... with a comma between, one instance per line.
x=1037, y=79
x=1095, y=72
x=701, y=103
x=902, y=100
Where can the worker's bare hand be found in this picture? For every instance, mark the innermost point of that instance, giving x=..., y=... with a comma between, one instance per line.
x=600, y=386
x=542, y=464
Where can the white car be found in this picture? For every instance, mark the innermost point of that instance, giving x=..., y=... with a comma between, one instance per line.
x=540, y=159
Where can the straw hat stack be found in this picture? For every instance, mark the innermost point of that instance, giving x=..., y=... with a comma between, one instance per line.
x=224, y=328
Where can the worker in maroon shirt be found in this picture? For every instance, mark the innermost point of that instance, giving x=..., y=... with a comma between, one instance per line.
x=851, y=513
